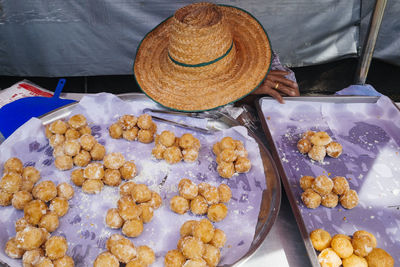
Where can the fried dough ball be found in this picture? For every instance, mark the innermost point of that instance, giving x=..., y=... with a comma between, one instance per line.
x=228, y=155
x=340, y=185
x=59, y=205
x=127, y=121
x=58, y=127
x=77, y=177
x=146, y=255
x=195, y=263
x=217, y=212
x=87, y=141
x=203, y=230
x=34, y=211
x=190, y=155
x=311, y=199
x=306, y=182
x=85, y=130
x=320, y=239
x=49, y=222
x=114, y=160
x=64, y=162
x=71, y=148
x=187, y=189
x=192, y=248
x=29, y=238
x=174, y=258
x=128, y=209
x=56, y=247
x=135, y=263
x=65, y=190
x=153, y=128
x=145, y=136
x=199, y=205
x=82, y=159
x=211, y=195
x=242, y=165
x=126, y=189
x=226, y=169
x=158, y=151
x=186, y=141
x=317, y=153
x=56, y=140
x=131, y=134
x=92, y=186
x=94, y=171
x=304, y=146
x=115, y=130
x=227, y=143
x=155, y=200
x=320, y=139
x=330, y=200
x=363, y=244
x=32, y=257
x=141, y=193
x=147, y=212
x=211, y=255
x=307, y=135
x=322, y=185
x=13, y=165
x=144, y=121
x=328, y=258
x=44, y=262
x=225, y=193
x=203, y=187
x=65, y=261
x=132, y=228
x=11, y=182
x=216, y=149
x=27, y=185
x=77, y=121
x=334, y=149
x=5, y=198
x=98, y=151
x=342, y=246
x=219, y=238
x=12, y=250
x=187, y=228
x=128, y=170
x=179, y=204
x=111, y=241
x=106, y=259
x=354, y=261
x=21, y=224
x=20, y=199
x=72, y=134
x=113, y=220
x=31, y=173
x=172, y=155
x=167, y=138
x=112, y=177
x=361, y=233
x=379, y=258
x=45, y=191
x=349, y=199
x=58, y=151
x=240, y=149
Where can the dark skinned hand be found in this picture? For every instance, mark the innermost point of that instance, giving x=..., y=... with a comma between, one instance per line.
x=276, y=85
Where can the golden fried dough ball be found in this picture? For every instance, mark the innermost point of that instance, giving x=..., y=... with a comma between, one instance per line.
x=227, y=143
x=111, y=241
x=361, y=233
x=56, y=247
x=228, y=155
x=34, y=211
x=85, y=130
x=153, y=128
x=20, y=199
x=21, y=224
x=363, y=245
x=58, y=151
x=307, y=135
x=354, y=261
x=342, y=246
x=158, y=151
x=12, y=250
x=304, y=146
x=87, y=141
x=203, y=230
x=219, y=238
x=330, y=200
x=240, y=149
x=187, y=189
x=72, y=134
x=56, y=140
x=211, y=195
x=98, y=151
x=141, y=193
x=59, y=206
x=27, y=185
x=334, y=149
x=115, y=130
x=217, y=212
x=311, y=199
x=186, y=141
x=131, y=134
x=94, y=171
x=44, y=262
x=128, y=170
x=187, y=228
x=320, y=139
x=167, y=138
x=113, y=220
x=155, y=200
x=147, y=212
x=320, y=239
x=135, y=263
x=82, y=159
x=47, y=131
x=71, y=147
x=379, y=258
x=328, y=258
x=31, y=173
x=32, y=257
x=13, y=165
x=127, y=121
x=114, y=160
x=242, y=165
x=174, y=258
x=322, y=185
x=145, y=136
x=58, y=127
x=317, y=153
x=132, y=228
x=195, y=263
x=203, y=187
x=306, y=182
x=216, y=149
x=211, y=255
x=11, y=182
x=77, y=121
x=199, y=205
x=126, y=188
x=77, y=177
x=29, y=238
x=128, y=209
x=64, y=162
x=65, y=190
x=5, y=198
x=225, y=193
x=45, y=191
x=144, y=121
x=146, y=255
x=349, y=199
x=65, y=261
x=340, y=185
x=179, y=204
x=112, y=177
x=226, y=169
x=106, y=259
x=192, y=248
x=49, y=222
x=190, y=155
x=92, y=186
x=172, y=155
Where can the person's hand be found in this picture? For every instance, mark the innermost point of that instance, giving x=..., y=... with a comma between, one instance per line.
x=276, y=85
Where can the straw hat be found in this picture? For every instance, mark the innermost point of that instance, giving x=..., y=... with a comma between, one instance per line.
x=203, y=57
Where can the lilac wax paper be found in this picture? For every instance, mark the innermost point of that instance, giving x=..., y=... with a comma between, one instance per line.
x=84, y=224
x=370, y=136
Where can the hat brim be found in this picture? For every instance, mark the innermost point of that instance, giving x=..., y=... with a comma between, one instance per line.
x=253, y=61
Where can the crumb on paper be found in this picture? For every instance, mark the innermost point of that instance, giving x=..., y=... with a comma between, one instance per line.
x=268, y=118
